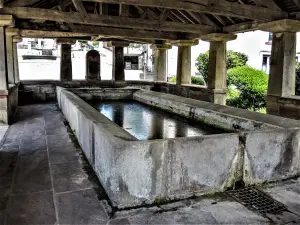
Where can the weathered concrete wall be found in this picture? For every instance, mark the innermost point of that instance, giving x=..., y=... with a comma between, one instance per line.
x=271, y=155
x=225, y=117
x=190, y=91
x=8, y=104
x=139, y=172
x=45, y=91
x=103, y=93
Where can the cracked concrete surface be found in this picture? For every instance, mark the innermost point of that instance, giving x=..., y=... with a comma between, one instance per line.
x=43, y=180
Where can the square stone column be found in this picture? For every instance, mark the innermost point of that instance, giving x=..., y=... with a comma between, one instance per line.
x=160, y=66
x=3, y=67
x=66, y=59
x=184, y=60
x=8, y=96
x=283, y=65
x=16, y=40
x=217, y=71
x=118, y=74
x=10, y=33
x=283, y=62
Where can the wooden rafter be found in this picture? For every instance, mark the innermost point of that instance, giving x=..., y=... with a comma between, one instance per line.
x=110, y=21
x=219, y=7
x=80, y=8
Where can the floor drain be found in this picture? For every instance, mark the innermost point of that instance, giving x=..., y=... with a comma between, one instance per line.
x=257, y=201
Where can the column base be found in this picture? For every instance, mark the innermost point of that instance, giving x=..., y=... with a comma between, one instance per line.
x=8, y=104
x=92, y=78
x=218, y=96
x=288, y=107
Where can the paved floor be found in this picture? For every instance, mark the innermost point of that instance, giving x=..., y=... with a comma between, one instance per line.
x=44, y=180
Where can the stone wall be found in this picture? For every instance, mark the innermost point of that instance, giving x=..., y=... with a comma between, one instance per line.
x=284, y=106
x=190, y=91
x=137, y=172
x=43, y=91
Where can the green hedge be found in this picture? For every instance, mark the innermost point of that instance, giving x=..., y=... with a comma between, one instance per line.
x=297, y=78
x=194, y=80
x=251, y=85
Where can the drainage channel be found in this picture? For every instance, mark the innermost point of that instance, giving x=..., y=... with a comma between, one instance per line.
x=257, y=201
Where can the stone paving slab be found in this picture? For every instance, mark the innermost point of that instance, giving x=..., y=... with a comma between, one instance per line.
x=69, y=176
x=32, y=174
x=35, y=208
x=44, y=181
x=288, y=194
x=204, y=211
x=80, y=207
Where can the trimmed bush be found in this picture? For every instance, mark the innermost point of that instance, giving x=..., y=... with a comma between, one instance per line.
x=297, y=78
x=194, y=80
x=197, y=80
x=234, y=59
x=252, y=86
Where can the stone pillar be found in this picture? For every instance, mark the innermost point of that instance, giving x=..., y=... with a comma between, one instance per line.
x=118, y=74
x=10, y=33
x=283, y=63
x=93, y=66
x=3, y=68
x=16, y=40
x=8, y=98
x=217, y=70
x=184, y=60
x=66, y=59
x=160, y=66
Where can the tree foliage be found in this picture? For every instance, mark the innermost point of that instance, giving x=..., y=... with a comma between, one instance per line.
x=234, y=59
x=250, y=84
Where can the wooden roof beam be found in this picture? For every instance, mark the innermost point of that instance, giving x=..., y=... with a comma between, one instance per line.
x=220, y=7
x=85, y=30
x=104, y=20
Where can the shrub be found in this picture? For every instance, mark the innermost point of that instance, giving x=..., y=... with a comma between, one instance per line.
x=197, y=80
x=172, y=80
x=252, y=86
x=232, y=97
x=194, y=80
x=234, y=59
x=297, y=78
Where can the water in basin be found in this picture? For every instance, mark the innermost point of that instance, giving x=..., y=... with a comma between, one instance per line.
x=148, y=123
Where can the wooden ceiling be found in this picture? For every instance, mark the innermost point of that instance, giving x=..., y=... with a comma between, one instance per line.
x=144, y=20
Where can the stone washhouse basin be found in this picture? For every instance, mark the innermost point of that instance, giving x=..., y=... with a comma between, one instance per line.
x=256, y=148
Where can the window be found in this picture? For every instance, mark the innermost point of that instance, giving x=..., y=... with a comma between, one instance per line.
x=270, y=37
x=266, y=63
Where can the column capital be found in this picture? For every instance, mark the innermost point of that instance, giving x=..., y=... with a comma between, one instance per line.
x=7, y=21
x=12, y=31
x=118, y=44
x=185, y=43
x=161, y=46
x=279, y=26
x=17, y=39
x=218, y=37
x=61, y=41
